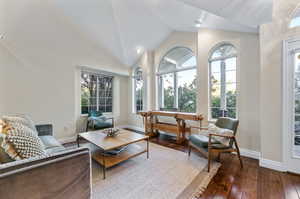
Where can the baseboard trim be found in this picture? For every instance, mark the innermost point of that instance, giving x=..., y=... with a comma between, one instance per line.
x=271, y=164
x=250, y=153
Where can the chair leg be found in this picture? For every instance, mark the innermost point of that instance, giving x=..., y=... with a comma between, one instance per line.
x=238, y=152
x=209, y=157
x=219, y=157
x=189, y=149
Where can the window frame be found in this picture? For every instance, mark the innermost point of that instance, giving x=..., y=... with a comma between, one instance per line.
x=223, y=97
x=97, y=92
x=134, y=86
x=160, y=94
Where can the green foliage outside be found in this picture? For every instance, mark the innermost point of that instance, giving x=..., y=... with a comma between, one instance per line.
x=187, y=101
x=186, y=98
x=231, y=105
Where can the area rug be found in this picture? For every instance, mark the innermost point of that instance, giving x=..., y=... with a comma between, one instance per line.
x=167, y=174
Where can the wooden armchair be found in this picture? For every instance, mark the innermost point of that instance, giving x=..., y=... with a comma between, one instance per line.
x=207, y=145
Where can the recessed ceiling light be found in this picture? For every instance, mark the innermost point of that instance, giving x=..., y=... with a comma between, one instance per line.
x=197, y=25
x=139, y=50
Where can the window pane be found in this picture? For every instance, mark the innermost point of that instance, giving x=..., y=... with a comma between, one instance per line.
x=139, y=95
x=178, y=93
x=215, y=67
x=187, y=90
x=223, y=100
x=139, y=89
x=215, y=113
x=230, y=64
x=231, y=112
x=296, y=147
x=168, y=91
x=95, y=89
x=231, y=99
x=177, y=58
x=230, y=76
x=190, y=62
x=216, y=90
x=223, y=51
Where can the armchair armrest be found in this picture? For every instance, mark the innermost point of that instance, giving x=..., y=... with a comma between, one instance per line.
x=112, y=120
x=44, y=129
x=196, y=127
x=221, y=135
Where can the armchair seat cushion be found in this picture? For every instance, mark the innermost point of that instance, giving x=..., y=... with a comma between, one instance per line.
x=51, y=144
x=102, y=125
x=201, y=141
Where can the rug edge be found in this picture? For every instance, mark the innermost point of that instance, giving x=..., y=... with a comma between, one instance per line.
x=200, y=183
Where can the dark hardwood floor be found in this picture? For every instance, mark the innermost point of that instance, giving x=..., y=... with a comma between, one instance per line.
x=250, y=182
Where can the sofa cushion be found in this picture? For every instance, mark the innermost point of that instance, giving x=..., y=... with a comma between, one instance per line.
x=20, y=141
x=49, y=141
x=4, y=157
x=22, y=119
x=53, y=150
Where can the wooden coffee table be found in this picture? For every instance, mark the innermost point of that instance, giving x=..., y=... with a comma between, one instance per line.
x=104, y=143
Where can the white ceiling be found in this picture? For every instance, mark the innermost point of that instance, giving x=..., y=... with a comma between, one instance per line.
x=122, y=26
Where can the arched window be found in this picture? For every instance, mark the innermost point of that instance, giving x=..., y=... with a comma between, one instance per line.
x=223, y=93
x=295, y=22
x=138, y=84
x=177, y=80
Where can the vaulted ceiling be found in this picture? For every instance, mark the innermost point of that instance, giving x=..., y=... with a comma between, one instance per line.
x=120, y=27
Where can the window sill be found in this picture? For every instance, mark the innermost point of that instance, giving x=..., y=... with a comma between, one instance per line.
x=110, y=114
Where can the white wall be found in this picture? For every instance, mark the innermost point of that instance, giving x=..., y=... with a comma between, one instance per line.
x=49, y=94
x=39, y=65
x=201, y=43
x=271, y=37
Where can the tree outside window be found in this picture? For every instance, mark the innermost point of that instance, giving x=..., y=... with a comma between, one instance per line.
x=177, y=81
x=96, y=92
x=223, y=91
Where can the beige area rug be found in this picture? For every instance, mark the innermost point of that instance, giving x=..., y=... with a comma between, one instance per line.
x=167, y=174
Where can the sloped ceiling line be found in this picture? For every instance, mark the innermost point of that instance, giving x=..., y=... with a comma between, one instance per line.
x=117, y=27
x=117, y=24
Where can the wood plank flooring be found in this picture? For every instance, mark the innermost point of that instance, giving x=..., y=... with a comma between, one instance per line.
x=251, y=182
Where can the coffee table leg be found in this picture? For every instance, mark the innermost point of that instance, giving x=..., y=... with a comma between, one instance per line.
x=148, y=148
x=104, y=168
x=77, y=140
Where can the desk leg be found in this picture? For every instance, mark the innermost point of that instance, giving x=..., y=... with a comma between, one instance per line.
x=148, y=148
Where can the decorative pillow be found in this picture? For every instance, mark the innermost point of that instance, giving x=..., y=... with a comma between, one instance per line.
x=212, y=128
x=22, y=119
x=20, y=142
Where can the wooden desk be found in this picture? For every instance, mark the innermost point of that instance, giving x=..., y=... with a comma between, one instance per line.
x=152, y=124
